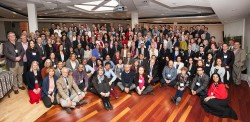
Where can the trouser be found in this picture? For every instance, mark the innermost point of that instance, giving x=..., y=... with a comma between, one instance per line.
x=81, y=86
x=179, y=93
x=236, y=75
x=172, y=83
x=25, y=70
x=17, y=76
x=147, y=90
x=227, y=81
x=154, y=80
x=74, y=99
x=202, y=93
x=120, y=85
x=47, y=101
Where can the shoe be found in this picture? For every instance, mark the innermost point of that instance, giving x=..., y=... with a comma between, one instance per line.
x=106, y=106
x=22, y=88
x=110, y=106
x=81, y=102
x=178, y=99
x=16, y=91
x=68, y=110
x=173, y=99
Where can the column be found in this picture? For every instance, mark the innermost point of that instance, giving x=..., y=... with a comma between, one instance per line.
x=32, y=17
x=134, y=19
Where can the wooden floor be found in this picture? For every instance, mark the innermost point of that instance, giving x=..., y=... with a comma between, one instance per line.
x=152, y=108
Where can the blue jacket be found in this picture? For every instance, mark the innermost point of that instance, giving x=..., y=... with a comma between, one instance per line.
x=45, y=87
x=169, y=74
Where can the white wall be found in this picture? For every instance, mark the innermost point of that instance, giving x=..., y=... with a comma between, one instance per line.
x=247, y=41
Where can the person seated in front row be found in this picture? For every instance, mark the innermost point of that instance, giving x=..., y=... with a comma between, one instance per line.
x=111, y=77
x=169, y=74
x=81, y=78
x=102, y=87
x=153, y=72
x=200, y=83
x=141, y=83
x=216, y=101
x=69, y=94
x=182, y=82
x=126, y=84
x=49, y=90
x=34, y=82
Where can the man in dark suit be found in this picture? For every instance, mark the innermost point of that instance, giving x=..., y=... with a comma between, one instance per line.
x=228, y=60
x=79, y=51
x=92, y=62
x=152, y=71
x=115, y=48
x=200, y=83
x=142, y=61
x=77, y=41
x=200, y=54
x=188, y=53
x=106, y=50
x=41, y=51
x=128, y=60
x=14, y=53
x=144, y=51
x=51, y=30
x=176, y=53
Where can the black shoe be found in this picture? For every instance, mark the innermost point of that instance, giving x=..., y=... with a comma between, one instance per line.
x=22, y=88
x=68, y=110
x=173, y=99
x=81, y=102
x=110, y=106
x=16, y=91
x=106, y=106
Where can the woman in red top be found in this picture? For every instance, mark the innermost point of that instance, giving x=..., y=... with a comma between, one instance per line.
x=141, y=82
x=216, y=101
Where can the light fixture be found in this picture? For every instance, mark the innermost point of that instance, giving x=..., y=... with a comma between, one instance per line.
x=93, y=3
x=112, y=3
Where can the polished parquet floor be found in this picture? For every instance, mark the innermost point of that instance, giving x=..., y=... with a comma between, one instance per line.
x=152, y=108
x=128, y=108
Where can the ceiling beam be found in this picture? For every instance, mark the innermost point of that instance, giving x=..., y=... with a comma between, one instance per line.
x=100, y=5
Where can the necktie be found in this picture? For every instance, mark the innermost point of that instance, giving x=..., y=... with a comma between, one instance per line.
x=67, y=82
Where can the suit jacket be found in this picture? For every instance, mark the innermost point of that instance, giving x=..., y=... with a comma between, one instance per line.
x=62, y=87
x=41, y=50
x=59, y=58
x=204, y=81
x=79, y=53
x=154, y=70
x=105, y=53
x=187, y=55
x=32, y=55
x=143, y=63
x=49, y=50
x=30, y=77
x=10, y=54
x=164, y=53
x=174, y=57
x=146, y=53
x=103, y=86
x=58, y=73
x=75, y=43
x=68, y=64
x=114, y=49
x=227, y=57
x=191, y=70
x=46, y=84
x=199, y=55
x=240, y=58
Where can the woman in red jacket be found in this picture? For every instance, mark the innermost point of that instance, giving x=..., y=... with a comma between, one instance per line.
x=216, y=101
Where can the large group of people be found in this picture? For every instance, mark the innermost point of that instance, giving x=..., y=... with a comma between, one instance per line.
x=62, y=64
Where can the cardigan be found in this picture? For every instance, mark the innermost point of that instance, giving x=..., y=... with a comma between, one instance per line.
x=218, y=91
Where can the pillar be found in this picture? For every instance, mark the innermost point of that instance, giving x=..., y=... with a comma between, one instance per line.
x=32, y=17
x=134, y=19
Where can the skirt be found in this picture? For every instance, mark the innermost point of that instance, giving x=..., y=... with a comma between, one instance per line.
x=34, y=98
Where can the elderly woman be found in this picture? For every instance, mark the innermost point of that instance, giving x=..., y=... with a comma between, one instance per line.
x=47, y=64
x=34, y=82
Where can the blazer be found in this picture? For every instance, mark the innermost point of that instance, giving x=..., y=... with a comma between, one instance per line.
x=204, y=81
x=79, y=53
x=62, y=87
x=105, y=53
x=164, y=53
x=75, y=43
x=146, y=53
x=58, y=73
x=30, y=77
x=49, y=50
x=143, y=63
x=191, y=70
x=32, y=55
x=46, y=84
x=227, y=57
x=10, y=54
x=136, y=80
x=174, y=57
x=41, y=51
x=240, y=58
x=59, y=58
x=154, y=70
x=187, y=55
x=103, y=86
x=68, y=64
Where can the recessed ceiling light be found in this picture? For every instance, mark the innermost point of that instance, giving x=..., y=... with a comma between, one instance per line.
x=48, y=2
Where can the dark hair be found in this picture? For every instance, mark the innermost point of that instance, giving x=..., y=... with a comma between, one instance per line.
x=29, y=48
x=200, y=67
x=107, y=63
x=215, y=63
x=212, y=81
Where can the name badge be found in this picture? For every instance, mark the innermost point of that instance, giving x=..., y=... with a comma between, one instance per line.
x=51, y=90
x=140, y=81
x=16, y=50
x=81, y=81
x=198, y=84
x=189, y=73
x=169, y=75
x=120, y=73
x=212, y=93
x=207, y=65
x=36, y=81
x=200, y=58
x=64, y=48
x=33, y=53
x=225, y=56
x=54, y=66
x=78, y=56
x=181, y=84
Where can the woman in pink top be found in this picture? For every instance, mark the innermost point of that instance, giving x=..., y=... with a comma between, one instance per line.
x=141, y=82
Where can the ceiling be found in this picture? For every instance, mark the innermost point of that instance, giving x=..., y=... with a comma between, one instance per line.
x=150, y=11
